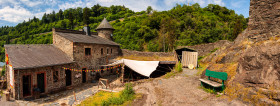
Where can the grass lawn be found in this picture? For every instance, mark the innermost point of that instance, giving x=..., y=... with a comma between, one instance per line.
x=102, y=98
x=97, y=99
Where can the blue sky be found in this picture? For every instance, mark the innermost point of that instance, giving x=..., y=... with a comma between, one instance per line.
x=13, y=12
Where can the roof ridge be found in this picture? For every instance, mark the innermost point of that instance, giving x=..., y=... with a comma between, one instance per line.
x=104, y=25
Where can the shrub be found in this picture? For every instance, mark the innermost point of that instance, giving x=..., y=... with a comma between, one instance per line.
x=128, y=92
x=178, y=67
x=3, y=70
x=126, y=95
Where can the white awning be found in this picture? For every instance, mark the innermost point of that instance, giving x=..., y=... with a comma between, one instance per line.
x=145, y=68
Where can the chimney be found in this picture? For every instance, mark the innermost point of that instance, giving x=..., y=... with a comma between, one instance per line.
x=87, y=30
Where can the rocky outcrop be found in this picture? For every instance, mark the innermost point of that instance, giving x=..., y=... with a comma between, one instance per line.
x=256, y=51
x=260, y=66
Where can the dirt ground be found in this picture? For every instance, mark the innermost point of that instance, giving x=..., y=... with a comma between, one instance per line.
x=181, y=90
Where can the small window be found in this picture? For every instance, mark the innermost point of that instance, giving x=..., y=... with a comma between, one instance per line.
x=55, y=76
x=107, y=51
x=101, y=51
x=87, y=51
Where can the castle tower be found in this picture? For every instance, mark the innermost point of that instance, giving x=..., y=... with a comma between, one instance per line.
x=105, y=30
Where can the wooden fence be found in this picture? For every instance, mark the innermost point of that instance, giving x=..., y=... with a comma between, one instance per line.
x=189, y=58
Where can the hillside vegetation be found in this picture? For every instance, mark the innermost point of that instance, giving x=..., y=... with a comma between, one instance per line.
x=146, y=31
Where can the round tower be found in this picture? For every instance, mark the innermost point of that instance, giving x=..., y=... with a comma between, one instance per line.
x=105, y=30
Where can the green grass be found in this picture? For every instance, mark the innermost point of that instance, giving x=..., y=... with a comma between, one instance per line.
x=212, y=51
x=208, y=90
x=177, y=69
x=98, y=98
x=102, y=98
x=201, y=68
x=169, y=75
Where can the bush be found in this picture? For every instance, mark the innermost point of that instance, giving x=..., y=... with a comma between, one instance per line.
x=3, y=70
x=126, y=95
x=179, y=67
x=128, y=92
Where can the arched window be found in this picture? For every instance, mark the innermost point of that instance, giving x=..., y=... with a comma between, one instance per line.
x=107, y=50
x=101, y=51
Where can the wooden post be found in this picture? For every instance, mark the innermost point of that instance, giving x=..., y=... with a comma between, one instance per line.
x=74, y=96
x=122, y=73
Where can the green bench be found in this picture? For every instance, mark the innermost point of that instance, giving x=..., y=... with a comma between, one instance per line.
x=214, y=84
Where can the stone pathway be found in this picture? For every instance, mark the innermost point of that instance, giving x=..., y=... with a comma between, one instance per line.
x=65, y=97
x=68, y=100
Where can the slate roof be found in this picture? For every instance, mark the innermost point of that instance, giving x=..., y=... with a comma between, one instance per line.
x=36, y=55
x=104, y=25
x=94, y=39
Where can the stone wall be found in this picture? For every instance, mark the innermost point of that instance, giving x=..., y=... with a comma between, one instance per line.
x=50, y=85
x=204, y=49
x=63, y=44
x=93, y=61
x=126, y=52
x=264, y=20
x=105, y=33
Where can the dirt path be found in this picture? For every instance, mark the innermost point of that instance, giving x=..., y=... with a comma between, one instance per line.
x=181, y=90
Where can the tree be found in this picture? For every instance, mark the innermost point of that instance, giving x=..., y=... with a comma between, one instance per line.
x=149, y=9
x=168, y=33
x=44, y=18
x=60, y=14
x=71, y=19
x=237, y=29
x=86, y=13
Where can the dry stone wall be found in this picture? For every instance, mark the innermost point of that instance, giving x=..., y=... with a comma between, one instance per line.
x=205, y=49
x=264, y=20
x=126, y=52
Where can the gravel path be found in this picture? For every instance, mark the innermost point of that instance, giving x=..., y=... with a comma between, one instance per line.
x=182, y=90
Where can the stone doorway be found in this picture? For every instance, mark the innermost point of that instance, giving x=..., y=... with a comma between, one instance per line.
x=26, y=85
x=41, y=82
x=68, y=77
x=84, y=75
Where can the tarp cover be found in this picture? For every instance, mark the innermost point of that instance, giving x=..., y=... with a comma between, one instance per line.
x=145, y=68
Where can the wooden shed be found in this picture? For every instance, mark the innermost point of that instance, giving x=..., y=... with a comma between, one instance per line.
x=187, y=56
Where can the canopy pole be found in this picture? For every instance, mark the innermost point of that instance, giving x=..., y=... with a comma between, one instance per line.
x=122, y=76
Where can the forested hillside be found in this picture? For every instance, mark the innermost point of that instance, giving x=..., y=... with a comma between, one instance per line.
x=183, y=25
x=145, y=31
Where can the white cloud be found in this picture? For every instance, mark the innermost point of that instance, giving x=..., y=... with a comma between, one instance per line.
x=71, y=5
x=11, y=2
x=18, y=10
x=16, y=14
x=32, y=3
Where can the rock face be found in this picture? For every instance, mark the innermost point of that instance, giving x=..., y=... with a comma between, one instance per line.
x=260, y=66
x=264, y=18
x=257, y=53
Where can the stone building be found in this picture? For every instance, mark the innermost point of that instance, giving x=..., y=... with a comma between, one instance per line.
x=43, y=66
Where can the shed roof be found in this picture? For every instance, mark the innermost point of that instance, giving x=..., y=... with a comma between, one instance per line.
x=104, y=25
x=86, y=39
x=36, y=55
x=179, y=51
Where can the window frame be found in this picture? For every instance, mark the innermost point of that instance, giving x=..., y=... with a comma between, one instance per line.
x=90, y=51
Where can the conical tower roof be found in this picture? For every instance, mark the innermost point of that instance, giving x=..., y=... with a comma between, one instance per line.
x=104, y=25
